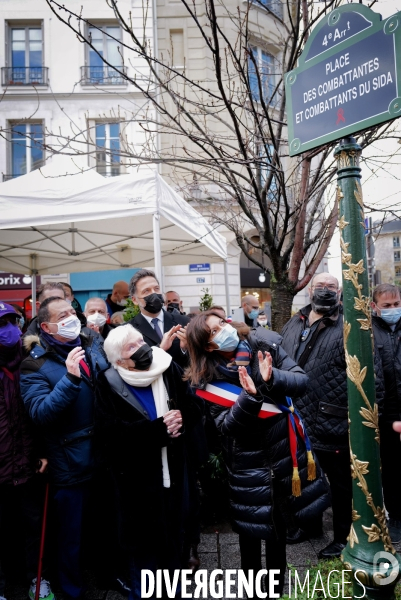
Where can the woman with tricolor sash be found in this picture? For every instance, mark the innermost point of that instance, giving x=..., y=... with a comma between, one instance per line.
x=247, y=381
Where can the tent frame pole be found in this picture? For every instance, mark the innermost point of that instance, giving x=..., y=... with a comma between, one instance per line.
x=33, y=289
x=227, y=288
x=157, y=247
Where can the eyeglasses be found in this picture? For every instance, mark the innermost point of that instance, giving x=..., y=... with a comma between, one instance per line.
x=321, y=286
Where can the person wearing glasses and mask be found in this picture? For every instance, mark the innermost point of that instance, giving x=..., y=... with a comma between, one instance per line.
x=57, y=385
x=314, y=338
x=246, y=378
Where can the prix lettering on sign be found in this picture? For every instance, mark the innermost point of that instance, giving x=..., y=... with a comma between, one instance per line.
x=14, y=281
x=347, y=80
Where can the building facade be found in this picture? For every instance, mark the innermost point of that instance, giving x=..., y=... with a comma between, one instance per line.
x=387, y=252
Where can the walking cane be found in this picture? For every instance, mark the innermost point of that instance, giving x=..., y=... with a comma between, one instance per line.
x=42, y=543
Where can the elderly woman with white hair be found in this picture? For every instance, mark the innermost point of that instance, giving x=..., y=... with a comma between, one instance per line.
x=145, y=412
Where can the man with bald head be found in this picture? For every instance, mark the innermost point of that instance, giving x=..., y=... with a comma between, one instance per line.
x=118, y=297
x=314, y=338
x=250, y=306
x=97, y=316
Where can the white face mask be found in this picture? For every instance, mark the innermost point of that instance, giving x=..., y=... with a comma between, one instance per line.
x=122, y=302
x=69, y=328
x=96, y=319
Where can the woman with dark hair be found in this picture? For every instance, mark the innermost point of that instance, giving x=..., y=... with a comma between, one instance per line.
x=246, y=379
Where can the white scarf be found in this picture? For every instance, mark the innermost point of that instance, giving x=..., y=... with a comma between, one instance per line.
x=153, y=377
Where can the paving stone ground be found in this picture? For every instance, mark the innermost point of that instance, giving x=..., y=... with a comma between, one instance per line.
x=218, y=549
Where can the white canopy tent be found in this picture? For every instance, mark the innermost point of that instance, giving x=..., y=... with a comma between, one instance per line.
x=63, y=218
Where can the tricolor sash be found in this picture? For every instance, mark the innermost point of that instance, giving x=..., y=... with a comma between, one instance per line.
x=226, y=394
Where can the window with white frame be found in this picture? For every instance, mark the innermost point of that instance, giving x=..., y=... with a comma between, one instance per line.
x=106, y=42
x=25, y=55
x=26, y=148
x=261, y=74
x=108, y=146
x=396, y=241
x=397, y=256
x=275, y=6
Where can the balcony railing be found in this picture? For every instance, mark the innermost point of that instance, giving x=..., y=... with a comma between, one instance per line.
x=24, y=75
x=103, y=75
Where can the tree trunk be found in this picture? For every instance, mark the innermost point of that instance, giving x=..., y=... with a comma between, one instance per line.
x=282, y=297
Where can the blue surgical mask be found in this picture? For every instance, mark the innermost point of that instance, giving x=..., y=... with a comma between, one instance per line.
x=253, y=314
x=21, y=322
x=391, y=315
x=227, y=339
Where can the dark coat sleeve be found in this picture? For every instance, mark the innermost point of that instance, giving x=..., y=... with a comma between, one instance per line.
x=288, y=379
x=242, y=414
x=379, y=381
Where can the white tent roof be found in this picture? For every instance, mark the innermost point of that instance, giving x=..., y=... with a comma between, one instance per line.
x=52, y=223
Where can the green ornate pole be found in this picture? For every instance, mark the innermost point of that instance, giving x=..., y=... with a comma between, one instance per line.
x=369, y=535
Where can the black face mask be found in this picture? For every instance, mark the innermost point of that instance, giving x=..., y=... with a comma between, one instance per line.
x=143, y=357
x=154, y=303
x=324, y=300
x=172, y=306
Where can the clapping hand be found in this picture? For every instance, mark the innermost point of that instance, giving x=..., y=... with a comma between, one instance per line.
x=265, y=365
x=169, y=337
x=182, y=336
x=246, y=381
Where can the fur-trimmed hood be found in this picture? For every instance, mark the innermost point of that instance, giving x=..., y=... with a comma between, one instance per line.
x=30, y=341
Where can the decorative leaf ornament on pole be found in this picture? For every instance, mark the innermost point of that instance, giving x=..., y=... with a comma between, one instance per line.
x=348, y=79
x=369, y=553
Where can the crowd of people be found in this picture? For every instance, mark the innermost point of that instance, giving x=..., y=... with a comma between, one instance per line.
x=112, y=421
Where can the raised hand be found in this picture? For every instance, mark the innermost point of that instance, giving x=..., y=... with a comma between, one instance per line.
x=73, y=359
x=265, y=365
x=169, y=337
x=246, y=381
x=182, y=336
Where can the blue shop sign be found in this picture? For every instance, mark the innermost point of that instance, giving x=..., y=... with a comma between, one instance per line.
x=199, y=268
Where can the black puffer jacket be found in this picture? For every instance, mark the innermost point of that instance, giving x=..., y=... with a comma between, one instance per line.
x=388, y=347
x=324, y=405
x=257, y=451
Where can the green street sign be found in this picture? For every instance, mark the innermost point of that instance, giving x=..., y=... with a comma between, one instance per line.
x=348, y=78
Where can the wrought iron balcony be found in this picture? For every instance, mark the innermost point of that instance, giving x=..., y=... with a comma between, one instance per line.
x=103, y=75
x=24, y=76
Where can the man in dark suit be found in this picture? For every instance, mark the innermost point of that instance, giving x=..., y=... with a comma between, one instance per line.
x=156, y=324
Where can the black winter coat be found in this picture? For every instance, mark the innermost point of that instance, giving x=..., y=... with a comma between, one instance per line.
x=257, y=451
x=388, y=347
x=324, y=405
x=131, y=445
